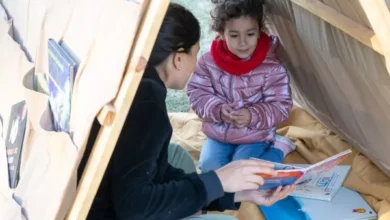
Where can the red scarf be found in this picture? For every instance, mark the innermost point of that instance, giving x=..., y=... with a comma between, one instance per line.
x=234, y=65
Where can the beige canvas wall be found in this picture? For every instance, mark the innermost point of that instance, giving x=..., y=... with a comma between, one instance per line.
x=344, y=83
x=100, y=34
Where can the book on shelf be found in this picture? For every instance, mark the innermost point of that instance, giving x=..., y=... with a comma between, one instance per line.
x=346, y=205
x=41, y=84
x=14, y=141
x=290, y=174
x=62, y=69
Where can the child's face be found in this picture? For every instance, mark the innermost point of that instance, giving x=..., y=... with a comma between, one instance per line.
x=241, y=36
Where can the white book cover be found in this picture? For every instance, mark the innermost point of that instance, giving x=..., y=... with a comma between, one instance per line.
x=346, y=205
x=323, y=186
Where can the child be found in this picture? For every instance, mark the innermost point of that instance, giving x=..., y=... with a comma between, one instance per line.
x=240, y=89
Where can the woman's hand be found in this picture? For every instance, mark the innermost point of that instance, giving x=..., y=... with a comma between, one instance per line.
x=264, y=197
x=243, y=175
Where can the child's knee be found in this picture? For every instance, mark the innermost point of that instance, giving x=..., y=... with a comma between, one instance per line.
x=247, y=151
x=208, y=164
x=214, y=155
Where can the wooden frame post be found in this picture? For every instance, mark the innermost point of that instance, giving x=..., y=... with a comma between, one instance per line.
x=109, y=133
x=378, y=14
x=347, y=25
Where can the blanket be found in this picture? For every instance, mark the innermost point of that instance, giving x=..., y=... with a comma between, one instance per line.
x=314, y=143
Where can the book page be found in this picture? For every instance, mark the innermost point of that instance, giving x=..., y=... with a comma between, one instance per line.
x=325, y=165
x=324, y=185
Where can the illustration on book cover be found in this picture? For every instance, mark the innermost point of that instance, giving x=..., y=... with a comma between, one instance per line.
x=60, y=84
x=14, y=140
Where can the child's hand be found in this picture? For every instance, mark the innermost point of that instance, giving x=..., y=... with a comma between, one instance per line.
x=241, y=118
x=226, y=110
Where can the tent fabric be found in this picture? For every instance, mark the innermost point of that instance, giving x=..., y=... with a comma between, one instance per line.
x=342, y=82
x=101, y=38
x=11, y=73
x=3, y=13
x=314, y=143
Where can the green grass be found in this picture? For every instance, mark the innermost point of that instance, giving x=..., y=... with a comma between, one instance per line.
x=177, y=101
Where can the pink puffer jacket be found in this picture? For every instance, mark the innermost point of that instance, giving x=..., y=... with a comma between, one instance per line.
x=265, y=91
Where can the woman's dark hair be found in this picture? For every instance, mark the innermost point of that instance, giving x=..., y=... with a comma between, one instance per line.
x=225, y=10
x=179, y=29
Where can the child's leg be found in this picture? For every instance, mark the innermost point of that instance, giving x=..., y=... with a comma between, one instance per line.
x=264, y=151
x=279, y=150
x=246, y=151
x=284, y=144
x=272, y=154
x=214, y=155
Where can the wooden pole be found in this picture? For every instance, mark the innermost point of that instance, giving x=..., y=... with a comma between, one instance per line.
x=342, y=22
x=378, y=14
x=108, y=135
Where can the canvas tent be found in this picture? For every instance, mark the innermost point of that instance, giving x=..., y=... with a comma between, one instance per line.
x=338, y=56
x=111, y=40
x=336, y=51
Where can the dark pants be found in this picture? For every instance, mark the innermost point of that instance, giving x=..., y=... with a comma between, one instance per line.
x=180, y=158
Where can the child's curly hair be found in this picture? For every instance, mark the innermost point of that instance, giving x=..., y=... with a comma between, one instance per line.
x=225, y=10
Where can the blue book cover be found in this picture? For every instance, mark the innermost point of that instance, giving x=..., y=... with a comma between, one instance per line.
x=60, y=85
x=14, y=141
x=346, y=205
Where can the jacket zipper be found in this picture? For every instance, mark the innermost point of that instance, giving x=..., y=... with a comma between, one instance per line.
x=231, y=95
x=227, y=128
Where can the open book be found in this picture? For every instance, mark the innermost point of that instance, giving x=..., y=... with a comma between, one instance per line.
x=325, y=185
x=290, y=174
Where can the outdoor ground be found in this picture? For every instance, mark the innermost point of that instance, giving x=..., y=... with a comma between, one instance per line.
x=177, y=101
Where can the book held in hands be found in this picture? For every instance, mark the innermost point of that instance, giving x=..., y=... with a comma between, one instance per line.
x=323, y=186
x=290, y=174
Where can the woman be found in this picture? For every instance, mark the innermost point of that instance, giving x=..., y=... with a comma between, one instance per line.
x=139, y=182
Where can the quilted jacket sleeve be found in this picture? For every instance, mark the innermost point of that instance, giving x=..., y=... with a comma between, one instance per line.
x=203, y=100
x=277, y=102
